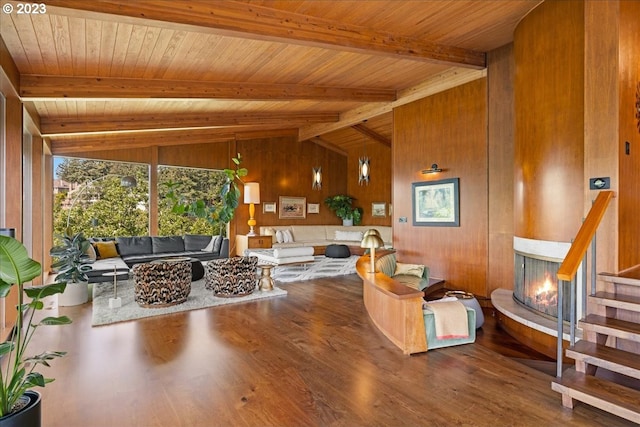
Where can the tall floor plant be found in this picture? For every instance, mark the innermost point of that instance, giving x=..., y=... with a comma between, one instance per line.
x=18, y=374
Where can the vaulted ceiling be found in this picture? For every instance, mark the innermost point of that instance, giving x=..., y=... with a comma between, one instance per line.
x=114, y=74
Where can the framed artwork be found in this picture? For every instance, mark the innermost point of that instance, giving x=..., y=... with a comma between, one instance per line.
x=292, y=207
x=313, y=208
x=269, y=207
x=436, y=203
x=379, y=209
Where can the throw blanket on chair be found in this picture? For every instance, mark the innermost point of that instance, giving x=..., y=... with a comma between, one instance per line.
x=450, y=318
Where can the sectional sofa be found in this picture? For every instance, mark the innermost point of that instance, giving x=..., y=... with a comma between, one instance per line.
x=121, y=253
x=320, y=236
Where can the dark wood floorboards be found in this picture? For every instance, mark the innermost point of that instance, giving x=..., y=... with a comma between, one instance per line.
x=311, y=358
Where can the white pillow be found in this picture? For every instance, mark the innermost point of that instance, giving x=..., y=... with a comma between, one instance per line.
x=350, y=236
x=409, y=269
x=209, y=247
x=288, y=236
x=269, y=231
x=279, y=236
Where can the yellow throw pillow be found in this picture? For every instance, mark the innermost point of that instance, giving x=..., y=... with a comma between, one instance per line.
x=409, y=269
x=107, y=249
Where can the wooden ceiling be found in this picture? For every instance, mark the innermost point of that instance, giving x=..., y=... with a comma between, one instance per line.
x=113, y=74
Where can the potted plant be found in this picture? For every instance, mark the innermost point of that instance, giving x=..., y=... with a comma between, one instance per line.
x=72, y=263
x=223, y=210
x=341, y=205
x=19, y=405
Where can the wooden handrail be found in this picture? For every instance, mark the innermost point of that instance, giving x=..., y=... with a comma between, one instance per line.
x=579, y=247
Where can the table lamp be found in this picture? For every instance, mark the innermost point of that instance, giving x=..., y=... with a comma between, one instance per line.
x=251, y=197
x=372, y=240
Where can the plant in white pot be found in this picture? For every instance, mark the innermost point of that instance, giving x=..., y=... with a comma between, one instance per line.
x=72, y=262
x=341, y=205
x=19, y=405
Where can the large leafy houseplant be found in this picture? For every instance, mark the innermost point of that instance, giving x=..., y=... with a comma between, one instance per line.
x=17, y=374
x=72, y=260
x=341, y=204
x=223, y=210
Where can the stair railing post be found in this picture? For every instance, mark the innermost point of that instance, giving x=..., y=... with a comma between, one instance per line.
x=593, y=270
x=572, y=310
x=559, y=349
x=584, y=285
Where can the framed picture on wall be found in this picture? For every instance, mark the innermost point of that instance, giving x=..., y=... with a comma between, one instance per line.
x=292, y=207
x=436, y=203
x=269, y=207
x=379, y=209
x=313, y=208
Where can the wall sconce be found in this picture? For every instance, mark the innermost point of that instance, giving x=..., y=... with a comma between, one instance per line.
x=434, y=169
x=251, y=198
x=363, y=171
x=317, y=178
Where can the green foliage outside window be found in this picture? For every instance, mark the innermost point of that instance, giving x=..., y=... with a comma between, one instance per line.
x=104, y=208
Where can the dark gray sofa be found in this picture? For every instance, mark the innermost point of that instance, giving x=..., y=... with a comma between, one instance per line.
x=140, y=249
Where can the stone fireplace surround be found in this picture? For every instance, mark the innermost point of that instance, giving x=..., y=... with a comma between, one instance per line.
x=504, y=302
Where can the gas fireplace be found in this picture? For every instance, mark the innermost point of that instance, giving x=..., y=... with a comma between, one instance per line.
x=536, y=285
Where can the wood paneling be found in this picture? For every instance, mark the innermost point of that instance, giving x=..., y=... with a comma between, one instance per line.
x=449, y=129
x=379, y=187
x=283, y=167
x=601, y=133
x=629, y=131
x=38, y=251
x=549, y=117
x=500, y=139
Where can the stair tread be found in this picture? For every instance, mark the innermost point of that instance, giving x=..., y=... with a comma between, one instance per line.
x=611, y=326
x=603, y=394
x=627, y=277
x=617, y=300
x=610, y=358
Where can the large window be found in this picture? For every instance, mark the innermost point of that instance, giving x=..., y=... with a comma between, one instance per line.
x=189, y=185
x=89, y=196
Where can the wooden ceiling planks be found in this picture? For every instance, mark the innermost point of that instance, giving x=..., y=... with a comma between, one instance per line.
x=307, y=45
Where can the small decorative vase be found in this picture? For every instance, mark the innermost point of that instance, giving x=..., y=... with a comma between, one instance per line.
x=29, y=416
x=347, y=222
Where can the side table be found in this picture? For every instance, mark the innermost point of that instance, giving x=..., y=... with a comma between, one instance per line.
x=116, y=301
x=266, y=281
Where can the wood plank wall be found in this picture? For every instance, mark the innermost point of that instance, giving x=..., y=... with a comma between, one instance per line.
x=379, y=188
x=549, y=117
x=629, y=193
x=450, y=129
x=501, y=110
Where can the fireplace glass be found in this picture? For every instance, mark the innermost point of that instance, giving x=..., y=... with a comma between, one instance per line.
x=536, y=285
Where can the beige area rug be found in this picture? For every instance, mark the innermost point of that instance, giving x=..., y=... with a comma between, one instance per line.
x=199, y=298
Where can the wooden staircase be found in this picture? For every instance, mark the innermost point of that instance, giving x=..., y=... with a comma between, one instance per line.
x=597, y=351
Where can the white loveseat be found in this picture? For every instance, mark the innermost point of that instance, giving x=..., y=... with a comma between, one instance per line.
x=320, y=236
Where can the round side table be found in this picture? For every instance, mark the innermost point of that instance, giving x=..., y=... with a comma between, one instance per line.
x=469, y=300
x=266, y=281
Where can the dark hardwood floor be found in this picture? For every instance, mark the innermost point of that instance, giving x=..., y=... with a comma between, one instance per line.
x=311, y=358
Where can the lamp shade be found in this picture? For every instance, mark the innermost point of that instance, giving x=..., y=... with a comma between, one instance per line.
x=371, y=241
x=252, y=193
x=128, y=182
x=372, y=231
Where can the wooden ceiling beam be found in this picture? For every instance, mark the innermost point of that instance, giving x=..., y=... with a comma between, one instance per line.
x=439, y=83
x=40, y=87
x=328, y=145
x=129, y=140
x=372, y=134
x=97, y=124
x=247, y=20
